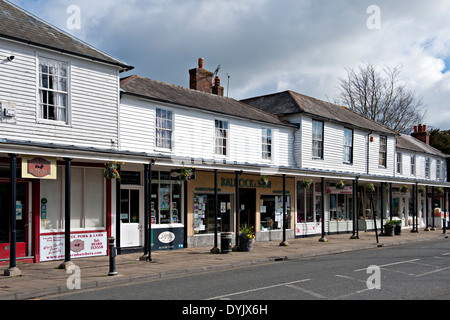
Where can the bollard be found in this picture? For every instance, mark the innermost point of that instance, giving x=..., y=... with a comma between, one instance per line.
x=112, y=257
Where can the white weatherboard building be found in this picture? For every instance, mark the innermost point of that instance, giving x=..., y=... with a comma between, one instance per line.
x=193, y=164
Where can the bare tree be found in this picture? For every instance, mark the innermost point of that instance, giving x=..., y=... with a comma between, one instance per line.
x=381, y=96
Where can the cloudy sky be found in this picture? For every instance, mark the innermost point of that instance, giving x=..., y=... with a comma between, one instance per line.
x=267, y=46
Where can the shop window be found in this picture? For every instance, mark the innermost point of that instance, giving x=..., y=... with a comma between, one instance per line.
x=204, y=213
x=305, y=208
x=87, y=200
x=271, y=211
x=166, y=199
x=340, y=207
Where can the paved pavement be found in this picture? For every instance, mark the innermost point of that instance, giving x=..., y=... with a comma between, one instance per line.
x=42, y=279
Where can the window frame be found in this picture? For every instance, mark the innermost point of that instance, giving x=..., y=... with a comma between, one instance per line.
x=164, y=129
x=413, y=164
x=224, y=138
x=399, y=163
x=348, y=148
x=427, y=167
x=321, y=142
x=266, y=144
x=382, y=152
x=60, y=95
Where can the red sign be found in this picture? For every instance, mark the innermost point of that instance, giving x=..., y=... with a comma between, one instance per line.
x=39, y=167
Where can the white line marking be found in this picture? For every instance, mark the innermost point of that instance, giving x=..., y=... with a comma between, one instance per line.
x=257, y=289
x=430, y=272
x=390, y=264
x=306, y=291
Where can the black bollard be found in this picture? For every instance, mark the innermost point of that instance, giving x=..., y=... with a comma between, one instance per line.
x=112, y=257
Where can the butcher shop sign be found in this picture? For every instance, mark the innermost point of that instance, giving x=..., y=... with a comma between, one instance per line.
x=38, y=167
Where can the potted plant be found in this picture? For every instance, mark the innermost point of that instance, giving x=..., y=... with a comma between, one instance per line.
x=340, y=185
x=404, y=189
x=389, y=228
x=440, y=191
x=421, y=189
x=246, y=236
x=397, y=227
x=186, y=174
x=112, y=170
x=264, y=181
x=306, y=183
x=370, y=188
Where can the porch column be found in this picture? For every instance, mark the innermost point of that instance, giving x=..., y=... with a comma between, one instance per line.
x=432, y=209
x=390, y=201
x=354, y=204
x=415, y=208
x=382, y=208
x=12, y=271
x=67, y=264
x=238, y=209
x=322, y=205
x=147, y=213
x=444, y=227
x=284, y=242
x=215, y=249
x=426, y=209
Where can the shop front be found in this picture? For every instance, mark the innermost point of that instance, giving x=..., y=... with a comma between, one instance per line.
x=166, y=210
x=260, y=206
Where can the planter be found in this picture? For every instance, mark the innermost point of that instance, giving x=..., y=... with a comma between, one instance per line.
x=398, y=230
x=245, y=244
x=388, y=231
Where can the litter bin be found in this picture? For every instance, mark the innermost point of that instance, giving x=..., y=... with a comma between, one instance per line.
x=225, y=242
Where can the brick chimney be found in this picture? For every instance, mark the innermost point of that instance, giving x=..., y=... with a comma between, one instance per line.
x=217, y=89
x=201, y=79
x=421, y=133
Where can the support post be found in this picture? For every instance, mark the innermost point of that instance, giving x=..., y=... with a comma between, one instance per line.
x=12, y=271
x=238, y=209
x=322, y=207
x=354, y=204
x=284, y=242
x=215, y=249
x=432, y=209
x=426, y=209
x=67, y=264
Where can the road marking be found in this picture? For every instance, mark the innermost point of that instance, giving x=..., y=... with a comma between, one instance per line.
x=347, y=277
x=306, y=291
x=390, y=264
x=257, y=289
x=430, y=272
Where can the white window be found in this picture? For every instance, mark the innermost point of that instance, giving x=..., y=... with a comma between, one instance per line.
x=266, y=142
x=438, y=169
x=413, y=165
x=382, y=161
x=317, y=139
x=163, y=129
x=221, y=136
x=399, y=162
x=427, y=167
x=348, y=145
x=53, y=90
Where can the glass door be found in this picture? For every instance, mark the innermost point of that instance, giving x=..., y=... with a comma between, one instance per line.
x=130, y=217
x=21, y=220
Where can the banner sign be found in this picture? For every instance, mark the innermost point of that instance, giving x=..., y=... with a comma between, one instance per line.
x=82, y=245
x=38, y=168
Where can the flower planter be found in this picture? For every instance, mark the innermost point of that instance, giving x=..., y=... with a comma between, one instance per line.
x=398, y=230
x=388, y=231
x=245, y=244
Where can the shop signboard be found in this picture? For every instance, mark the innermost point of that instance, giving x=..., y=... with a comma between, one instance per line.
x=82, y=245
x=167, y=238
x=39, y=167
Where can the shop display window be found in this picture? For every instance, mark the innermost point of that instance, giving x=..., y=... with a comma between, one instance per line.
x=204, y=213
x=166, y=199
x=271, y=211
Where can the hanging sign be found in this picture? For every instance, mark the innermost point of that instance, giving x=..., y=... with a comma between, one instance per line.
x=39, y=168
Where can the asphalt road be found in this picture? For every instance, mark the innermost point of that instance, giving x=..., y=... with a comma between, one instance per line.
x=408, y=272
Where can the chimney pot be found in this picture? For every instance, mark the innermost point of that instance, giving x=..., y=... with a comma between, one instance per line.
x=424, y=128
x=201, y=63
x=415, y=129
x=420, y=127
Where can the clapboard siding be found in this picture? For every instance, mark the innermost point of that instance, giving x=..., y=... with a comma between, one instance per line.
x=93, y=112
x=420, y=166
x=194, y=134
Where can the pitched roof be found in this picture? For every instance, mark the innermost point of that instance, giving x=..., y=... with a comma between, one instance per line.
x=290, y=102
x=413, y=144
x=20, y=25
x=164, y=92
